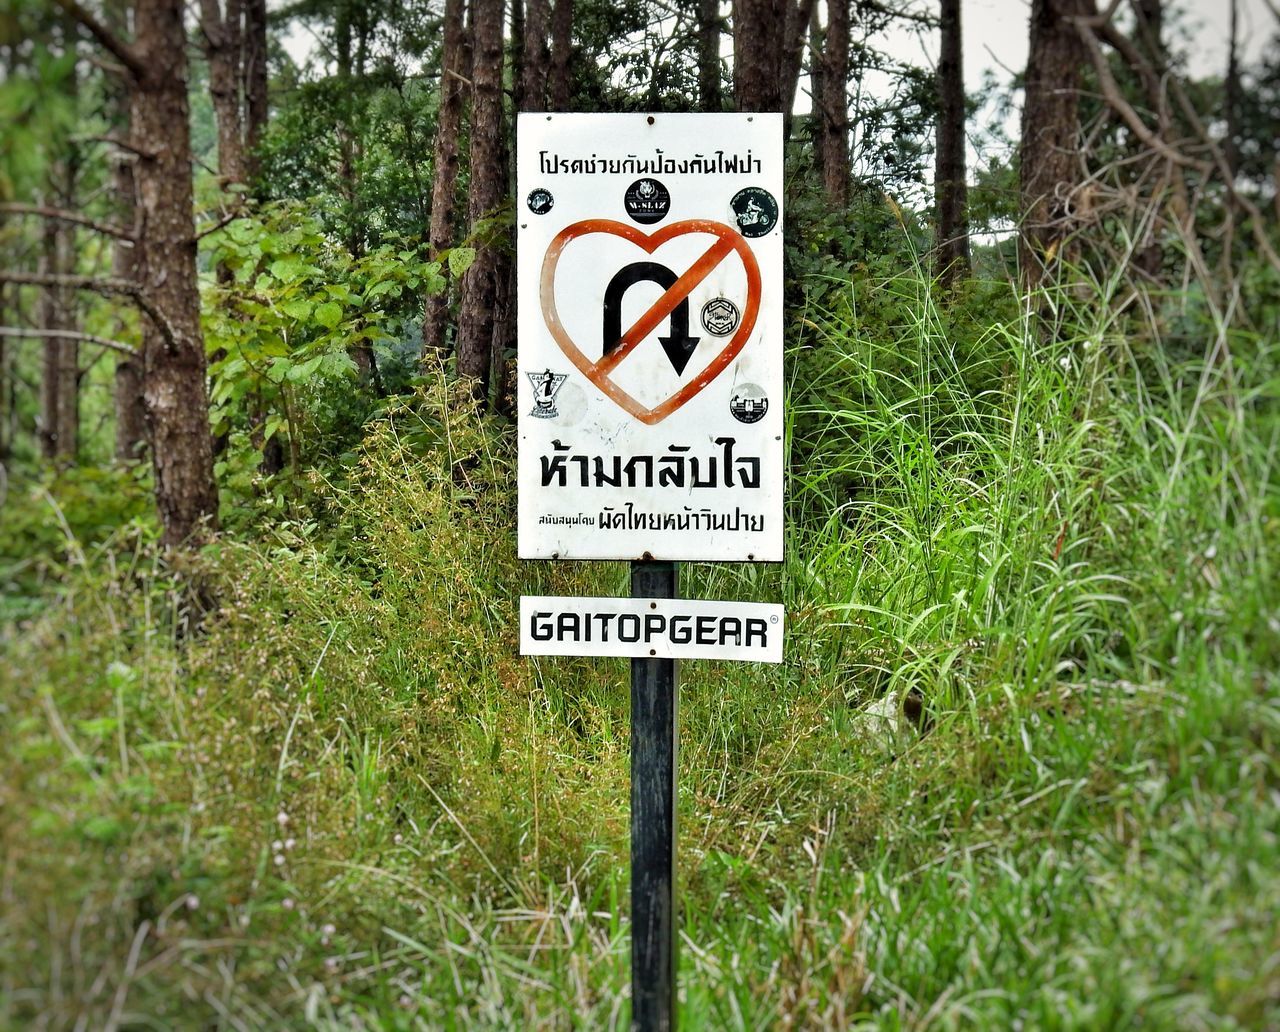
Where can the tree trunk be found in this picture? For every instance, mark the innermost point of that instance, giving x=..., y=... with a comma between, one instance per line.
x=221, y=37
x=6, y=434
x=351, y=32
x=347, y=183
x=68, y=371
x=950, y=190
x=445, y=169
x=515, y=51
x=130, y=410
x=536, y=57
x=220, y=34
x=816, y=85
x=1149, y=39
x=177, y=404
x=60, y=367
x=1231, y=95
x=833, y=122
x=559, y=86
x=504, y=282
x=759, y=32
x=1149, y=16
x=1049, y=157
x=479, y=286
x=709, y=94
x=254, y=90
x=797, y=25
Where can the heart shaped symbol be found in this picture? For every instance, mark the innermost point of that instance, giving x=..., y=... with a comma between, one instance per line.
x=728, y=241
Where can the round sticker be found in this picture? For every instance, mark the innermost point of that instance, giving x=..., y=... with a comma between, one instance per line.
x=748, y=403
x=540, y=201
x=755, y=211
x=647, y=201
x=720, y=316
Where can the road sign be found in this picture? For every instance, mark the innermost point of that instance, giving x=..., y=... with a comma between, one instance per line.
x=650, y=336
x=650, y=628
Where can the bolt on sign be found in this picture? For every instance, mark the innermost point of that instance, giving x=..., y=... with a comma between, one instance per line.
x=650, y=336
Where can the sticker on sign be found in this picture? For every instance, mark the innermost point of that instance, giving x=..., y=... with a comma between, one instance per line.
x=650, y=628
x=650, y=336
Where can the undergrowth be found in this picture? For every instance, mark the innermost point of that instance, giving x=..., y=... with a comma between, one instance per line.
x=341, y=799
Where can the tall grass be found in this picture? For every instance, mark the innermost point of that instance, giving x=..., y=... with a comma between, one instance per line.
x=347, y=802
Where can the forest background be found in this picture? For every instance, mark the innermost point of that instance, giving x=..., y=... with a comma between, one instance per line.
x=269, y=757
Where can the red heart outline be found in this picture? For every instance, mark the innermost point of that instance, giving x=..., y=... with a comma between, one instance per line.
x=728, y=239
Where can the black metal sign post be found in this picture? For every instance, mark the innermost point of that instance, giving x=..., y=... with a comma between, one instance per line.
x=655, y=688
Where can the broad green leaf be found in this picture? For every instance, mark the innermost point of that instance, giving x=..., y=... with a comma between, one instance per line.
x=279, y=369
x=339, y=363
x=460, y=259
x=288, y=268
x=299, y=309
x=328, y=314
x=304, y=370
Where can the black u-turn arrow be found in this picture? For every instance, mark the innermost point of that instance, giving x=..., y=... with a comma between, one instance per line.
x=679, y=345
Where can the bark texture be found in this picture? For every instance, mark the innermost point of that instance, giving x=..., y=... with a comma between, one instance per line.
x=950, y=190
x=60, y=372
x=1148, y=32
x=710, y=97
x=130, y=409
x=488, y=181
x=797, y=25
x=504, y=284
x=536, y=58
x=1232, y=94
x=453, y=60
x=833, y=120
x=759, y=32
x=221, y=35
x=176, y=400
x=559, y=83
x=815, y=83
x=254, y=69
x=1149, y=25
x=1049, y=159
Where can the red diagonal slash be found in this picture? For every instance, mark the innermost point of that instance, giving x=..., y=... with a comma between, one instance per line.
x=728, y=241
x=664, y=306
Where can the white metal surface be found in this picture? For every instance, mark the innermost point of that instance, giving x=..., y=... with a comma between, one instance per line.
x=650, y=336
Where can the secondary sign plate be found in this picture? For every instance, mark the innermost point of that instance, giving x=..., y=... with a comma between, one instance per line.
x=651, y=628
x=650, y=336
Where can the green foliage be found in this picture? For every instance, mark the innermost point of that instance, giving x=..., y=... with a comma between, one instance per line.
x=38, y=108
x=360, y=141
x=303, y=779
x=48, y=523
x=284, y=320
x=1064, y=544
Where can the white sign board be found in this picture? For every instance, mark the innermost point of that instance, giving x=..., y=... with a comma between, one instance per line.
x=650, y=336
x=661, y=628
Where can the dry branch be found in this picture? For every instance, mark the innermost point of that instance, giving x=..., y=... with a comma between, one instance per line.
x=88, y=338
x=118, y=48
x=1089, y=29
x=1115, y=100
x=61, y=215
x=108, y=286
